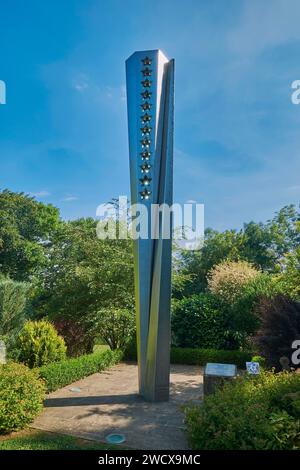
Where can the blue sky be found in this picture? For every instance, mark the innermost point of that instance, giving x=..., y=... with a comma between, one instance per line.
x=63, y=131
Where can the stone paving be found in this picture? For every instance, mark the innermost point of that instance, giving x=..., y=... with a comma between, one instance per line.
x=108, y=402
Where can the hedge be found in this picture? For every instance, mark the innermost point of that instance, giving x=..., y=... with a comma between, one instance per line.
x=63, y=373
x=200, y=357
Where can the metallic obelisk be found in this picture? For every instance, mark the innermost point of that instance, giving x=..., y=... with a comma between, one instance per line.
x=150, y=101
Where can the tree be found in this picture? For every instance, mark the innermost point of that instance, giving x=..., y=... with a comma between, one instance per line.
x=265, y=245
x=26, y=228
x=280, y=327
x=85, y=276
x=228, y=278
x=13, y=302
x=115, y=325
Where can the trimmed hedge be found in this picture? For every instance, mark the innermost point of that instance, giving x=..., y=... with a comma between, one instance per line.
x=200, y=357
x=63, y=373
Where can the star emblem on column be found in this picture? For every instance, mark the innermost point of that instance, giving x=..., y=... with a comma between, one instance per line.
x=146, y=155
x=146, y=130
x=146, y=106
x=145, y=194
x=146, y=117
x=145, y=168
x=146, y=94
x=145, y=180
x=147, y=72
x=147, y=61
x=146, y=142
x=146, y=83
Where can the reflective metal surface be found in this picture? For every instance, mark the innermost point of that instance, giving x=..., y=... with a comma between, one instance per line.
x=150, y=101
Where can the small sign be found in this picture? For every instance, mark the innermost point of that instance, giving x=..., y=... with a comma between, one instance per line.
x=221, y=370
x=253, y=368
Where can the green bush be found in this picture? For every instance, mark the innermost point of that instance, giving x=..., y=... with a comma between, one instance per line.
x=21, y=396
x=253, y=412
x=202, y=356
x=199, y=357
x=202, y=321
x=39, y=344
x=243, y=312
x=62, y=373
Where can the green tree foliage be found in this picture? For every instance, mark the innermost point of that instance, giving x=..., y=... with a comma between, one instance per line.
x=13, y=300
x=202, y=321
x=289, y=279
x=86, y=276
x=116, y=326
x=228, y=278
x=26, y=227
x=264, y=245
x=38, y=344
x=244, y=316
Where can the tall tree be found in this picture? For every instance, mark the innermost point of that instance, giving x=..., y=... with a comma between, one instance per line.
x=27, y=226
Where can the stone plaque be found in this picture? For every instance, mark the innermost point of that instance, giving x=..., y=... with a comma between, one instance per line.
x=220, y=370
x=215, y=375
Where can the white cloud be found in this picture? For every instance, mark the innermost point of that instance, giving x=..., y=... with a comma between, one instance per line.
x=70, y=198
x=40, y=194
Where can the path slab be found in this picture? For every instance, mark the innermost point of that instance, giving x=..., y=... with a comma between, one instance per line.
x=108, y=402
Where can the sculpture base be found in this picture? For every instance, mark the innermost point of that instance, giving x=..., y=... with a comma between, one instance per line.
x=161, y=394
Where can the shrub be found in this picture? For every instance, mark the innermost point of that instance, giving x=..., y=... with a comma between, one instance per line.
x=243, y=311
x=289, y=279
x=13, y=298
x=202, y=321
x=280, y=326
x=202, y=356
x=38, y=344
x=62, y=373
x=253, y=412
x=114, y=325
x=21, y=396
x=228, y=278
x=199, y=357
x=77, y=340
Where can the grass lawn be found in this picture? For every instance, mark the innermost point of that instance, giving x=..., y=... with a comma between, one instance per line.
x=38, y=440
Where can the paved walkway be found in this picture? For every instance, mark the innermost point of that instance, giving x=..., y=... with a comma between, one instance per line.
x=108, y=402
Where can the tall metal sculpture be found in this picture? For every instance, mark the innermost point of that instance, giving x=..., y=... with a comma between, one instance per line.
x=150, y=101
